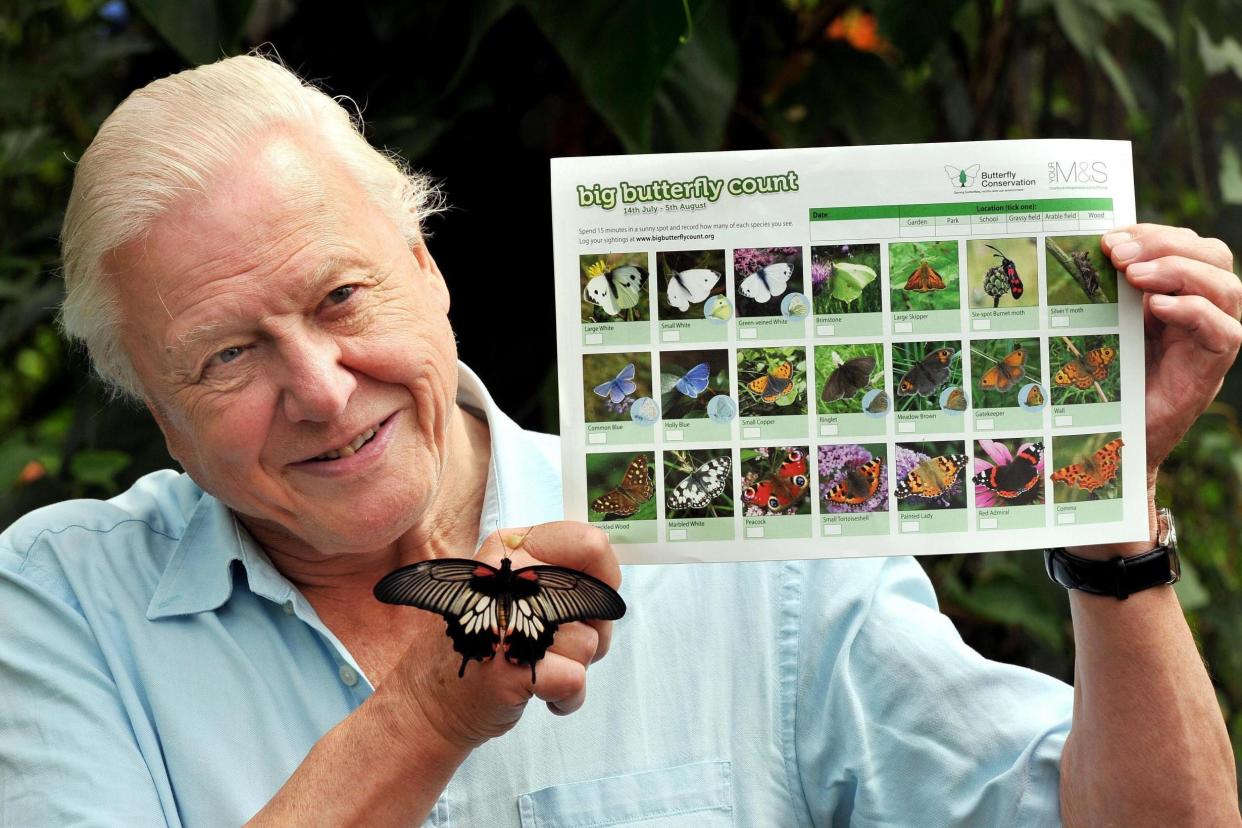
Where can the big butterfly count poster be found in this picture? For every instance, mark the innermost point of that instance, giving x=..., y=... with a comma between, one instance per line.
x=850, y=351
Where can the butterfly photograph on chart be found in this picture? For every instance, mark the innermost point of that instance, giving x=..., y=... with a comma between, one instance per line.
x=923, y=276
x=614, y=288
x=763, y=276
x=1000, y=368
x=1086, y=467
x=1085, y=369
x=492, y=611
x=921, y=370
x=844, y=375
x=698, y=484
x=845, y=279
x=690, y=380
x=771, y=381
x=1008, y=472
x=776, y=481
x=931, y=475
x=1079, y=273
x=620, y=486
x=853, y=478
x=687, y=280
x=1001, y=273
x=612, y=383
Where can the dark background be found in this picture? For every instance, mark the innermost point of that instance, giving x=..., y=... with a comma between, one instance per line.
x=482, y=94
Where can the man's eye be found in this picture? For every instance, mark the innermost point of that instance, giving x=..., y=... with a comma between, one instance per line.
x=229, y=354
x=340, y=294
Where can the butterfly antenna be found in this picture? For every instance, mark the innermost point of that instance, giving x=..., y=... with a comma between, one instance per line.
x=998, y=252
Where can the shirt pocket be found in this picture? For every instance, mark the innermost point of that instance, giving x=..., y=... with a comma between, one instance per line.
x=699, y=795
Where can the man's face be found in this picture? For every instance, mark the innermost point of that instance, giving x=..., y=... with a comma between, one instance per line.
x=281, y=319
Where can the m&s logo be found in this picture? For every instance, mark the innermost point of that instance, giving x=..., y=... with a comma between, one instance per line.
x=1077, y=172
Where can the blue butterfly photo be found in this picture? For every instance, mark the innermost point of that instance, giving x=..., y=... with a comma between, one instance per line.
x=613, y=382
x=689, y=380
x=620, y=386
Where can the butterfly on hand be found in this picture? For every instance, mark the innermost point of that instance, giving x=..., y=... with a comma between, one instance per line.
x=1003, y=375
x=615, y=290
x=635, y=489
x=619, y=387
x=1093, y=472
x=859, y=484
x=690, y=286
x=928, y=374
x=692, y=383
x=1016, y=477
x=924, y=279
x=932, y=478
x=766, y=282
x=783, y=489
x=488, y=608
x=1091, y=368
x=848, y=378
x=774, y=384
x=701, y=486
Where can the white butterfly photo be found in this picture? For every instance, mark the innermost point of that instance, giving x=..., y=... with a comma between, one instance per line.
x=707, y=482
x=614, y=290
x=690, y=286
x=767, y=282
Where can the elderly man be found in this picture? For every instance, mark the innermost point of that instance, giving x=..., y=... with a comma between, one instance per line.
x=204, y=649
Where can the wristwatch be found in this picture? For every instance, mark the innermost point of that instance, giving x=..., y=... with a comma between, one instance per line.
x=1120, y=576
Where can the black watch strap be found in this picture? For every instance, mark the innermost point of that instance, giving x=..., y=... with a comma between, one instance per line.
x=1120, y=577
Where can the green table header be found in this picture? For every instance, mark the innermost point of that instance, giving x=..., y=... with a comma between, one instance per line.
x=962, y=208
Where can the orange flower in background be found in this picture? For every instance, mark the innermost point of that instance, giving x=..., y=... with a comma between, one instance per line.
x=31, y=472
x=859, y=29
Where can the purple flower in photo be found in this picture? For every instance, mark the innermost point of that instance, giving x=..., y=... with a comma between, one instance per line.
x=819, y=276
x=835, y=465
x=746, y=260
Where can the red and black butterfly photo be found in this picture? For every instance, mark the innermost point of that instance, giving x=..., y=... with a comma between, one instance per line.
x=490, y=610
x=1001, y=273
x=1009, y=472
x=776, y=481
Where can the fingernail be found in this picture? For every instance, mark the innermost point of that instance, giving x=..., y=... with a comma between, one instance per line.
x=1114, y=239
x=1159, y=300
x=1141, y=269
x=1126, y=251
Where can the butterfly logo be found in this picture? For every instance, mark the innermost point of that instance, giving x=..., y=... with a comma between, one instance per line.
x=962, y=177
x=924, y=279
x=690, y=286
x=1091, y=368
x=635, y=489
x=614, y=290
x=692, y=383
x=1015, y=478
x=766, y=282
x=928, y=374
x=1093, y=472
x=784, y=489
x=859, y=484
x=489, y=608
x=618, y=388
x=773, y=385
x=848, y=378
x=701, y=486
x=932, y=478
x=1005, y=374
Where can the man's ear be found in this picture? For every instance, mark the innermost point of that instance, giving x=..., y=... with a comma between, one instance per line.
x=431, y=271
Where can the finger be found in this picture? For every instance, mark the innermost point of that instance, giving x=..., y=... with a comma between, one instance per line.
x=1125, y=248
x=561, y=682
x=1185, y=276
x=577, y=546
x=1214, y=331
x=577, y=641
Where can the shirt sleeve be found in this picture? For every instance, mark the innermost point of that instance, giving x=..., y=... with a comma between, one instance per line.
x=908, y=725
x=68, y=754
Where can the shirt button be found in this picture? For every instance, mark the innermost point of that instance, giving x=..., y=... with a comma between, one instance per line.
x=348, y=675
x=288, y=607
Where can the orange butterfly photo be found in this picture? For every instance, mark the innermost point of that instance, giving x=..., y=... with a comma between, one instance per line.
x=1085, y=369
x=924, y=276
x=853, y=478
x=930, y=476
x=999, y=368
x=1086, y=467
x=771, y=381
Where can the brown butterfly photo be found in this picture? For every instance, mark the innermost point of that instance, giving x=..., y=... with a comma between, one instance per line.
x=627, y=495
x=923, y=276
x=921, y=370
x=853, y=478
x=1087, y=467
x=1000, y=368
x=845, y=374
x=930, y=476
x=1085, y=369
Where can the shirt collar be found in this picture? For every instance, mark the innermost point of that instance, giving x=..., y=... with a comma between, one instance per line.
x=523, y=486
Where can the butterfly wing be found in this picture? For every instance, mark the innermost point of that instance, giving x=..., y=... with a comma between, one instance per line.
x=1098, y=362
x=695, y=380
x=544, y=597
x=778, y=383
x=1096, y=471
x=635, y=489
x=859, y=484
x=1016, y=477
x=701, y=486
x=699, y=283
x=927, y=375
x=598, y=292
x=1003, y=375
x=777, y=277
x=677, y=293
x=465, y=593
x=879, y=403
x=1073, y=373
x=932, y=478
x=851, y=376
x=1035, y=397
x=754, y=287
x=627, y=284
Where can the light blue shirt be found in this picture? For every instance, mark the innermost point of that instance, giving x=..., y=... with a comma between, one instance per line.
x=155, y=669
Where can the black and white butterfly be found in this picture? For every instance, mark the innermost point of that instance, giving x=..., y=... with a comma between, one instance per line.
x=703, y=485
x=487, y=608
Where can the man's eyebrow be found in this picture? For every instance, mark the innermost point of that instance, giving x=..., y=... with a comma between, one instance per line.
x=186, y=341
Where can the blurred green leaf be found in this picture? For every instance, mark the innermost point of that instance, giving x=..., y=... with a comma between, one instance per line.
x=98, y=468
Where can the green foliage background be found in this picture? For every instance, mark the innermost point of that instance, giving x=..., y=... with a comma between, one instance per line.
x=502, y=85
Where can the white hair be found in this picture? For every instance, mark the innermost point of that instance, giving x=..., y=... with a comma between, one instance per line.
x=170, y=139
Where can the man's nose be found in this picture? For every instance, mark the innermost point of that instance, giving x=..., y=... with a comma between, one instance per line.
x=317, y=387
